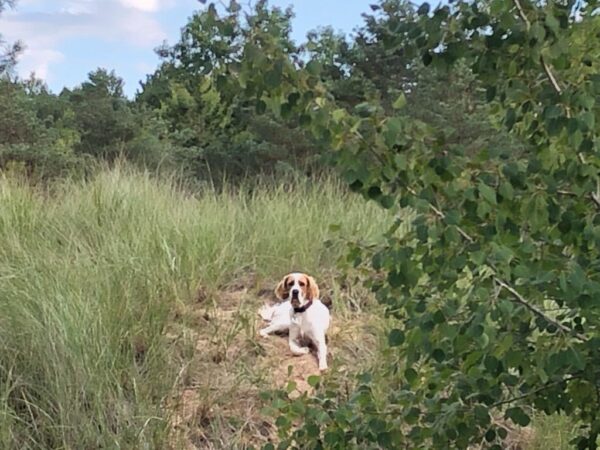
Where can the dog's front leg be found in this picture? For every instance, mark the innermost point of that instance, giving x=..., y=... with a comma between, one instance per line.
x=322, y=352
x=294, y=347
x=273, y=328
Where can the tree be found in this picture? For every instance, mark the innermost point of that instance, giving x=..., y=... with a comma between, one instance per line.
x=221, y=137
x=18, y=122
x=493, y=276
x=8, y=53
x=37, y=135
x=103, y=117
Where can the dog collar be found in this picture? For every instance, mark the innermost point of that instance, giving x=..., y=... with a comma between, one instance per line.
x=301, y=309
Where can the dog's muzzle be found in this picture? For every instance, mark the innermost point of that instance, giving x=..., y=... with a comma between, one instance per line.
x=295, y=300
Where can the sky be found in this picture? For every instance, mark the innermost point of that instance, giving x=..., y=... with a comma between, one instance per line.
x=66, y=39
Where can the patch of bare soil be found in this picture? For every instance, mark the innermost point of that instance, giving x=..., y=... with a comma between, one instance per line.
x=226, y=364
x=286, y=367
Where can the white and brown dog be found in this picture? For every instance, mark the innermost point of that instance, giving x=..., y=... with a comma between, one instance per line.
x=302, y=313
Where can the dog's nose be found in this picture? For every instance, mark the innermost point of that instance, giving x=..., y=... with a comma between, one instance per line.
x=295, y=292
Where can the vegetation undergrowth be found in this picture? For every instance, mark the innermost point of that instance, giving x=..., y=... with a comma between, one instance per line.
x=100, y=280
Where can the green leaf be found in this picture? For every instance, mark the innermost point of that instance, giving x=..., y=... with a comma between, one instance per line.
x=365, y=109
x=374, y=192
x=234, y=6
x=313, y=380
x=506, y=190
x=423, y=9
x=332, y=438
x=510, y=118
x=482, y=415
x=282, y=421
x=575, y=358
x=552, y=23
x=427, y=59
x=438, y=355
x=537, y=32
x=518, y=416
x=488, y=193
x=411, y=375
x=261, y=107
x=314, y=67
x=400, y=102
x=338, y=114
x=386, y=201
x=312, y=430
x=396, y=337
x=305, y=120
x=393, y=127
x=490, y=93
x=400, y=161
x=588, y=119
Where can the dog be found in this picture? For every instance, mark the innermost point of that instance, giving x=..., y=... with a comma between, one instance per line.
x=302, y=314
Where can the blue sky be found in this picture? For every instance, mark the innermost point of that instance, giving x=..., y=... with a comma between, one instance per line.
x=66, y=39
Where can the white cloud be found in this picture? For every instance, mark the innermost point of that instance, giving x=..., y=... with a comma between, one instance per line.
x=142, y=5
x=131, y=22
x=38, y=61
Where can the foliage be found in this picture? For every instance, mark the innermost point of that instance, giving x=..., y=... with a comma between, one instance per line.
x=32, y=140
x=493, y=287
x=69, y=134
x=222, y=137
x=8, y=53
x=180, y=119
x=101, y=115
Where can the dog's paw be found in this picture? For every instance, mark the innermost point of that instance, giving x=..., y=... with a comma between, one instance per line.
x=301, y=351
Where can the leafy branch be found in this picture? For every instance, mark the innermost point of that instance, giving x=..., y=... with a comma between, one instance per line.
x=536, y=391
x=516, y=296
x=545, y=65
x=519, y=299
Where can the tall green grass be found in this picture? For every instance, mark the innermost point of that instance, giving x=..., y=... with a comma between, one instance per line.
x=91, y=272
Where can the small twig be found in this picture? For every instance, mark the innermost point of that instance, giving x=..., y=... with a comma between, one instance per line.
x=462, y=232
x=507, y=401
x=564, y=309
x=519, y=298
x=536, y=391
x=593, y=195
x=569, y=193
x=442, y=216
x=545, y=66
x=595, y=198
x=522, y=13
x=553, y=80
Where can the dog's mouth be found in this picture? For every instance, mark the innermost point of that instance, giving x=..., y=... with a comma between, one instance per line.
x=295, y=301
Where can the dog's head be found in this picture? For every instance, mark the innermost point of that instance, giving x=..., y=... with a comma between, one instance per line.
x=298, y=288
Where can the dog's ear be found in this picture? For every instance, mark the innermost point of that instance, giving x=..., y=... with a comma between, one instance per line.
x=281, y=289
x=312, y=288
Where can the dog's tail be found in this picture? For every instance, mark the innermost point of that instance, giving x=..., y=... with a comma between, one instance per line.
x=266, y=312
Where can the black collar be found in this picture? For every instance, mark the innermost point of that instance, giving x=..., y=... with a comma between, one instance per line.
x=301, y=309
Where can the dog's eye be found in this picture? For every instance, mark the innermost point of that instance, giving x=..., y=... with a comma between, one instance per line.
x=302, y=284
x=290, y=284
